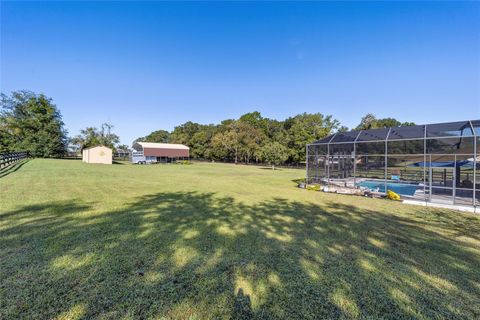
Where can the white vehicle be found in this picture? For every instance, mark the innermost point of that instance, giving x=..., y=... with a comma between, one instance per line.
x=138, y=157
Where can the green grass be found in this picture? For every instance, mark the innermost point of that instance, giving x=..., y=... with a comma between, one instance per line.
x=223, y=241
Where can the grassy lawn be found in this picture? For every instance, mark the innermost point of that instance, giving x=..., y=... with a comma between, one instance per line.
x=223, y=241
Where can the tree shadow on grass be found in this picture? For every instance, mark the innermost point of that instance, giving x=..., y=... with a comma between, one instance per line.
x=189, y=254
x=120, y=162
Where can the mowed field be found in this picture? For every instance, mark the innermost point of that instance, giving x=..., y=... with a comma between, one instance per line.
x=218, y=241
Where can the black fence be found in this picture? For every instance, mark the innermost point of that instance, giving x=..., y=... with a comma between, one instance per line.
x=8, y=158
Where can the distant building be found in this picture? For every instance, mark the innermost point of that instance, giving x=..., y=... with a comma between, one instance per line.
x=120, y=153
x=149, y=152
x=98, y=154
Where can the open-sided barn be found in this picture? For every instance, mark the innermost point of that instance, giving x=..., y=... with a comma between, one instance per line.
x=148, y=152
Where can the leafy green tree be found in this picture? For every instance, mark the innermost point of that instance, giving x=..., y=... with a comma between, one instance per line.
x=228, y=143
x=107, y=137
x=197, y=136
x=220, y=146
x=252, y=141
x=184, y=132
x=256, y=120
x=201, y=142
x=31, y=122
x=369, y=121
x=306, y=128
x=87, y=138
x=275, y=130
x=124, y=149
x=159, y=136
x=91, y=136
x=239, y=140
x=274, y=153
x=388, y=122
x=7, y=136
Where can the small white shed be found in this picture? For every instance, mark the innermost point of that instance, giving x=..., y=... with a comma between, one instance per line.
x=98, y=154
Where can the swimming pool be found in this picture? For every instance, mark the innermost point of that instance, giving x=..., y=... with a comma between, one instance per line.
x=404, y=189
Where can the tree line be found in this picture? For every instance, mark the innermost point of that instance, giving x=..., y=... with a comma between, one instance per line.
x=254, y=138
x=32, y=122
x=250, y=138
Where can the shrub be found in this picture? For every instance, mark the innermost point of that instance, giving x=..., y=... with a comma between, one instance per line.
x=313, y=187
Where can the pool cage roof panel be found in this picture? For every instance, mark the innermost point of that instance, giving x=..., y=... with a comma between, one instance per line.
x=476, y=127
x=348, y=136
x=409, y=132
x=453, y=129
x=325, y=140
x=437, y=130
x=373, y=134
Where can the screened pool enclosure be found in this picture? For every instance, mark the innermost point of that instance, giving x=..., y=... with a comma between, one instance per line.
x=434, y=162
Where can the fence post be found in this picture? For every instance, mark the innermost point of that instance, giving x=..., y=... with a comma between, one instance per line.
x=7, y=158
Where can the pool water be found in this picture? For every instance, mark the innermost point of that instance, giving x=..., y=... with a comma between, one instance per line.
x=404, y=189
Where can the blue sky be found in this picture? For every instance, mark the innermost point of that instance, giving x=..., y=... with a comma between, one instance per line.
x=154, y=65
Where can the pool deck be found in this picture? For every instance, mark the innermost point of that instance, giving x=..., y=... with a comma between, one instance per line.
x=443, y=206
x=436, y=200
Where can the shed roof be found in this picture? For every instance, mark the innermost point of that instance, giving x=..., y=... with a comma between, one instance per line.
x=99, y=146
x=155, y=145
